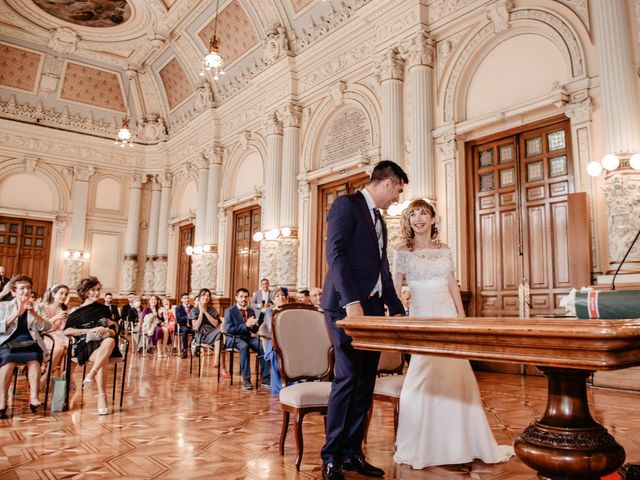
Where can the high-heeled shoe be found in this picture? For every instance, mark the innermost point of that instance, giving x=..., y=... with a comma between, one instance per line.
x=3, y=413
x=103, y=410
x=34, y=407
x=88, y=380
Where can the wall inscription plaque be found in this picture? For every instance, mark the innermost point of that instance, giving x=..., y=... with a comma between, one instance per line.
x=348, y=133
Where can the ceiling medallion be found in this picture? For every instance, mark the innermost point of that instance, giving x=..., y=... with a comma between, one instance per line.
x=88, y=13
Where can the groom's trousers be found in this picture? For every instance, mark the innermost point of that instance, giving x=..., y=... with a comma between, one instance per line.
x=352, y=388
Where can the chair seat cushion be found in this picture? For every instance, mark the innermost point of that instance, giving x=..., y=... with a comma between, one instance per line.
x=389, y=386
x=306, y=394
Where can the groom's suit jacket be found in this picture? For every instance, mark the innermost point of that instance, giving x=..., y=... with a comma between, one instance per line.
x=354, y=257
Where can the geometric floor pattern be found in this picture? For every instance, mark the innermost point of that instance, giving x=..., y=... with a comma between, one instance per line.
x=177, y=426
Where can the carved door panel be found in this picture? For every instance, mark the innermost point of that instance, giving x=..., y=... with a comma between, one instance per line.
x=246, y=251
x=328, y=194
x=183, y=277
x=519, y=238
x=25, y=248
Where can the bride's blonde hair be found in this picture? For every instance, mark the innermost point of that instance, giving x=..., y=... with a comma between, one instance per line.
x=407, y=233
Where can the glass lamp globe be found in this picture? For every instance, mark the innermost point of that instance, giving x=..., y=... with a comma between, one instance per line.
x=189, y=250
x=594, y=168
x=610, y=161
x=197, y=249
x=212, y=59
x=634, y=161
x=258, y=236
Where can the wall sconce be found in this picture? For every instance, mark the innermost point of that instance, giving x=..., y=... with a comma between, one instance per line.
x=76, y=254
x=273, y=234
x=198, y=249
x=610, y=162
x=396, y=209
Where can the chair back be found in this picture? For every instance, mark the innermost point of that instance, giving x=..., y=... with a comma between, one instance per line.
x=390, y=362
x=302, y=343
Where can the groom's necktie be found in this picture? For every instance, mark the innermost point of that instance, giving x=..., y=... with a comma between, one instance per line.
x=378, y=226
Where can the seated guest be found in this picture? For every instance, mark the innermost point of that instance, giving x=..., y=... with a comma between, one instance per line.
x=54, y=309
x=20, y=340
x=263, y=298
x=184, y=324
x=150, y=320
x=240, y=321
x=115, y=314
x=304, y=298
x=405, y=297
x=206, y=325
x=124, y=314
x=165, y=329
x=94, y=340
x=316, y=297
x=281, y=298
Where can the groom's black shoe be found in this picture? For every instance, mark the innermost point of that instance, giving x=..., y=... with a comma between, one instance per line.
x=357, y=463
x=331, y=472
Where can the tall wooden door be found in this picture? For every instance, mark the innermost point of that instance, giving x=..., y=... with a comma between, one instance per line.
x=25, y=248
x=328, y=194
x=245, y=265
x=519, y=243
x=183, y=276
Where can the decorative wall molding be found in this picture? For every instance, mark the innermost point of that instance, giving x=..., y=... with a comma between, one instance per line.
x=475, y=43
x=63, y=40
x=622, y=193
x=337, y=64
x=580, y=8
x=498, y=15
x=53, y=118
x=276, y=44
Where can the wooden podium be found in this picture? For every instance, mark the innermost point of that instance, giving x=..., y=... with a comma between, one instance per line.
x=566, y=443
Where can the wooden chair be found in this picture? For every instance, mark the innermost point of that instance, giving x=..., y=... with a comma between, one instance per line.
x=224, y=349
x=388, y=387
x=303, y=346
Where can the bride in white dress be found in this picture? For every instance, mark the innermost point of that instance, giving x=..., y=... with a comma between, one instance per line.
x=442, y=421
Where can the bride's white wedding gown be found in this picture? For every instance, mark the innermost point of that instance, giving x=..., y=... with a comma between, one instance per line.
x=442, y=420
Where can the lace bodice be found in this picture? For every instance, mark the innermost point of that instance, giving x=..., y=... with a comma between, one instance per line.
x=430, y=265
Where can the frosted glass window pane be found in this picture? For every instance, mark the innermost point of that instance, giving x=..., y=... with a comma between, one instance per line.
x=558, y=166
x=507, y=177
x=534, y=146
x=555, y=140
x=486, y=182
x=486, y=158
x=535, y=172
x=506, y=153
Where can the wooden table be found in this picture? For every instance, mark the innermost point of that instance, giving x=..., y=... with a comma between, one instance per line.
x=566, y=443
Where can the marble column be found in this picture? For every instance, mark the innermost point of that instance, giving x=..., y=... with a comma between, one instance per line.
x=222, y=254
x=422, y=169
x=288, y=251
x=304, y=274
x=152, y=240
x=160, y=279
x=271, y=201
x=74, y=264
x=621, y=127
x=198, y=261
x=449, y=205
x=391, y=69
x=271, y=210
x=209, y=257
x=130, y=262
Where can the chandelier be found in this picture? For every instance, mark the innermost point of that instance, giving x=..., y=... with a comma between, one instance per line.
x=213, y=61
x=124, y=137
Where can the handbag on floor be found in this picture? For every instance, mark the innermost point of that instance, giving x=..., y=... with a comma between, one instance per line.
x=58, y=394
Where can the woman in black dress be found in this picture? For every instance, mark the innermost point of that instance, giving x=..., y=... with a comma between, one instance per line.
x=20, y=341
x=94, y=340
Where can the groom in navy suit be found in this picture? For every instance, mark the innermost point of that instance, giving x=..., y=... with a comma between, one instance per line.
x=358, y=283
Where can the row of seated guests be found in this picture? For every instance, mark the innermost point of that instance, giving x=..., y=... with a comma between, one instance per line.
x=22, y=323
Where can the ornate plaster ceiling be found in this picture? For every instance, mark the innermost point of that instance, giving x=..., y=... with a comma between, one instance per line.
x=64, y=56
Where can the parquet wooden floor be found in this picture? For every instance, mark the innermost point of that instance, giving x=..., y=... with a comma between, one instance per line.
x=176, y=426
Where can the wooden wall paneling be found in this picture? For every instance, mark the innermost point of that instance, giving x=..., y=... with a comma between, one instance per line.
x=579, y=237
x=183, y=270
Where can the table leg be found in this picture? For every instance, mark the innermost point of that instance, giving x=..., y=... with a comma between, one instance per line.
x=567, y=443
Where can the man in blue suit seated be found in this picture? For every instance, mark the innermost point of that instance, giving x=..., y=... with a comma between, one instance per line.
x=358, y=283
x=240, y=321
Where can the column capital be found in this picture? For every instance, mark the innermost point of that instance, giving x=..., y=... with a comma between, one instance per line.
x=391, y=65
x=30, y=163
x=215, y=154
x=165, y=179
x=83, y=172
x=202, y=162
x=421, y=51
x=291, y=115
x=136, y=179
x=155, y=184
x=447, y=149
x=272, y=124
x=580, y=112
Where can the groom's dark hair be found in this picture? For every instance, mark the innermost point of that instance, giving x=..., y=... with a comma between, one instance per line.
x=388, y=169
